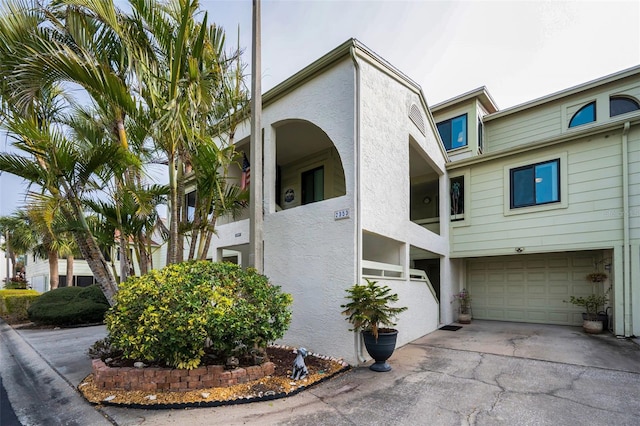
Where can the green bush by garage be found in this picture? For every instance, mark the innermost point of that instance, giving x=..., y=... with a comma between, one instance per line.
x=69, y=306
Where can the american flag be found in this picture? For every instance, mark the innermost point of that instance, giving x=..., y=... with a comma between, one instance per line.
x=246, y=173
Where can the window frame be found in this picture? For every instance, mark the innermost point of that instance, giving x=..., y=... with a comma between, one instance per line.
x=625, y=98
x=592, y=104
x=533, y=168
x=466, y=132
x=563, y=189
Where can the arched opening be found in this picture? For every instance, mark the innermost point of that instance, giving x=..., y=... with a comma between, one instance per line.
x=308, y=165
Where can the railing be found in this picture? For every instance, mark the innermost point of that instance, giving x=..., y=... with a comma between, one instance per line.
x=379, y=269
x=389, y=270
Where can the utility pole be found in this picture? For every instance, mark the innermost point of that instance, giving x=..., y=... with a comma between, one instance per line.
x=256, y=245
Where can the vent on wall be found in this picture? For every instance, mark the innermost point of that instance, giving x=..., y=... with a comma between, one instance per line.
x=416, y=118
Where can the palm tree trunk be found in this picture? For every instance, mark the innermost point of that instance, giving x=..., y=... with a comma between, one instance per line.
x=204, y=248
x=70, y=260
x=143, y=254
x=98, y=265
x=54, y=274
x=173, y=212
x=91, y=252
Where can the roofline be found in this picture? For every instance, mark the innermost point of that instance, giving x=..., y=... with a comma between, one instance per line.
x=481, y=93
x=326, y=61
x=350, y=48
x=565, y=92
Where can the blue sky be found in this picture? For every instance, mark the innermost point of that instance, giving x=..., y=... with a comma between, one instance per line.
x=518, y=50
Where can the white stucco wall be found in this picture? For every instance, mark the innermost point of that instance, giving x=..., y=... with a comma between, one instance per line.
x=385, y=187
x=307, y=252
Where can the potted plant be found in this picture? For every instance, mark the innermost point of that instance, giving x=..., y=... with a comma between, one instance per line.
x=369, y=310
x=464, y=307
x=593, y=322
x=596, y=277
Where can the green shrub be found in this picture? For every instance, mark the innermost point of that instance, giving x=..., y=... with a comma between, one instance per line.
x=16, y=283
x=70, y=306
x=168, y=315
x=14, y=304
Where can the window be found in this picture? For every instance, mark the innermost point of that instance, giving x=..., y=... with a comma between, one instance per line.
x=535, y=184
x=313, y=185
x=457, y=198
x=586, y=114
x=453, y=132
x=621, y=105
x=480, y=135
x=190, y=205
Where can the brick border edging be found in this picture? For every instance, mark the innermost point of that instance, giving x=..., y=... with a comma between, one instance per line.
x=169, y=379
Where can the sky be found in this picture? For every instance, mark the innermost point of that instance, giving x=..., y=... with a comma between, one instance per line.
x=518, y=50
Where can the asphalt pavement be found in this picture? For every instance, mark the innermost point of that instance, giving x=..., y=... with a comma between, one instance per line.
x=486, y=373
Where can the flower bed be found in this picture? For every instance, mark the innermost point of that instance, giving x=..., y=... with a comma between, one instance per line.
x=153, y=379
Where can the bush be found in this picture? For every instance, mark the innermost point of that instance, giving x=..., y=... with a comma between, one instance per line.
x=14, y=304
x=168, y=315
x=70, y=306
x=16, y=283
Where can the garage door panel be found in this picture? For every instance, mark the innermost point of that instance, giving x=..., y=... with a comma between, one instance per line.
x=561, y=317
x=561, y=276
x=515, y=277
x=532, y=264
x=495, y=277
x=529, y=288
x=511, y=315
x=559, y=262
x=536, y=276
x=537, y=316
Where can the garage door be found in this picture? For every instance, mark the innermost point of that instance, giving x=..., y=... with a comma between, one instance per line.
x=530, y=288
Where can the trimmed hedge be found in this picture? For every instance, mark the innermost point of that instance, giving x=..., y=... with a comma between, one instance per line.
x=171, y=314
x=70, y=306
x=14, y=304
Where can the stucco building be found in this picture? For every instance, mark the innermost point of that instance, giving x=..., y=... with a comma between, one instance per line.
x=362, y=179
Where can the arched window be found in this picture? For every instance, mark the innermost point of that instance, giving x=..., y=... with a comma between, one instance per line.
x=621, y=105
x=586, y=114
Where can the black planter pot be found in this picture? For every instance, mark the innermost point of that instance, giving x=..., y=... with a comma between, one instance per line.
x=381, y=349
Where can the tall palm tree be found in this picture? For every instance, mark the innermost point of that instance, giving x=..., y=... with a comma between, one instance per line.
x=189, y=85
x=20, y=238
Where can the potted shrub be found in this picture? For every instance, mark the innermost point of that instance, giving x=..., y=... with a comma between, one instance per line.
x=464, y=307
x=369, y=310
x=593, y=322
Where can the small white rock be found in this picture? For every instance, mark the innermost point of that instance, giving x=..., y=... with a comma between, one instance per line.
x=110, y=398
x=151, y=397
x=205, y=395
x=83, y=384
x=139, y=364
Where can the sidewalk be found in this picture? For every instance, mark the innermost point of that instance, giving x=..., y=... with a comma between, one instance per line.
x=487, y=373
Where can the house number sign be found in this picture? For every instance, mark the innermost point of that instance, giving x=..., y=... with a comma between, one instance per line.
x=341, y=214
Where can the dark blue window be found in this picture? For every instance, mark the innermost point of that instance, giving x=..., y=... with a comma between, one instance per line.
x=622, y=105
x=453, y=132
x=586, y=114
x=535, y=184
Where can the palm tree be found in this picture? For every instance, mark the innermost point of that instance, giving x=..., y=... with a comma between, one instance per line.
x=20, y=238
x=189, y=85
x=156, y=73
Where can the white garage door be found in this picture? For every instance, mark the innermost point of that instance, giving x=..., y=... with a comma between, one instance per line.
x=530, y=288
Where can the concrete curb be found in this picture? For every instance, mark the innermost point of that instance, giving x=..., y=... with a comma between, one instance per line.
x=38, y=394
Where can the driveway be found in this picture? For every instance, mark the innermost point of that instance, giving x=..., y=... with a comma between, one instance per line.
x=486, y=373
